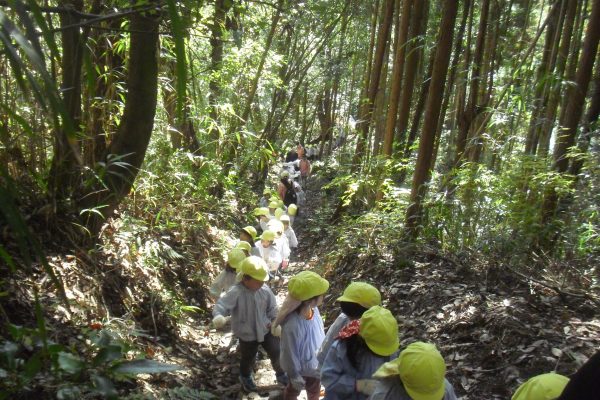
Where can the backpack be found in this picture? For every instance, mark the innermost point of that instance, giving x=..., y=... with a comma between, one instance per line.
x=290, y=195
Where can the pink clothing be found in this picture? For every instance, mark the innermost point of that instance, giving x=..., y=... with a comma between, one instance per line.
x=304, y=167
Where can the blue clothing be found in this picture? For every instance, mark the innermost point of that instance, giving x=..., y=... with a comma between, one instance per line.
x=339, y=376
x=251, y=311
x=335, y=328
x=391, y=389
x=300, y=340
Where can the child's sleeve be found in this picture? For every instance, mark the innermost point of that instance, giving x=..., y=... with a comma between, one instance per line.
x=332, y=374
x=289, y=353
x=293, y=239
x=271, y=306
x=226, y=303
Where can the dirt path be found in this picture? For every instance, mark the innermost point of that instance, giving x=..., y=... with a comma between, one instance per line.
x=211, y=355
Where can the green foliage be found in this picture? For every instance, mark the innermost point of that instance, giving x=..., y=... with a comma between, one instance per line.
x=91, y=367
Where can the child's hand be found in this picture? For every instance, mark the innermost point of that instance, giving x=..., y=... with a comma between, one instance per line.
x=219, y=321
x=276, y=331
x=366, y=386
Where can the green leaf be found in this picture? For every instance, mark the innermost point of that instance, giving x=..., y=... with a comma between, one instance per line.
x=33, y=366
x=108, y=354
x=144, y=367
x=191, y=308
x=70, y=363
x=105, y=387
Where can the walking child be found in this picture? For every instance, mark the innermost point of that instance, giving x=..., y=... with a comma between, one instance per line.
x=288, y=231
x=264, y=200
x=227, y=277
x=417, y=374
x=302, y=333
x=253, y=307
x=269, y=252
x=361, y=347
x=357, y=298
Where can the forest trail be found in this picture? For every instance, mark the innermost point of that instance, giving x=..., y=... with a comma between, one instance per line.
x=494, y=329
x=211, y=354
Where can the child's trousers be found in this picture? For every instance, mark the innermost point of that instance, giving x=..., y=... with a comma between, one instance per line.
x=312, y=386
x=248, y=352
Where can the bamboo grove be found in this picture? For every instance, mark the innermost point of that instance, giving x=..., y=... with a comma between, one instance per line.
x=470, y=121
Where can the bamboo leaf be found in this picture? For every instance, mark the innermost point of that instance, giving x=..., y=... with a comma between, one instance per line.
x=144, y=367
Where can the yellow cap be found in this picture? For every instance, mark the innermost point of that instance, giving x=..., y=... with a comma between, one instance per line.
x=268, y=235
x=235, y=258
x=292, y=209
x=255, y=267
x=361, y=293
x=266, y=191
x=280, y=203
x=285, y=174
x=379, y=328
x=306, y=285
x=261, y=211
x=250, y=230
x=542, y=387
x=273, y=204
x=284, y=218
x=422, y=370
x=243, y=245
x=278, y=213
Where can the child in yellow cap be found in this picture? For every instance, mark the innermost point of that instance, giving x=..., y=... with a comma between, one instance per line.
x=301, y=334
x=264, y=200
x=226, y=278
x=248, y=234
x=253, y=307
x=269, y=251
x=417, y=374
x=357, y=298
x=542, y=387
x=360, y=349
x=288, y=231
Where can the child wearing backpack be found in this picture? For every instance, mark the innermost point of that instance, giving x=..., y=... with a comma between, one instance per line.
x=301, y=334
x=357, y=298
x=253, y=307
x=361, y=347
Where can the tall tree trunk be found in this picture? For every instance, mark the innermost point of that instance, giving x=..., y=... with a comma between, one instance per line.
x=415, y=43
x=414, y=213
x=366, y=109
x=591, y=125
x=576, y=94
x=64, y=173
x=133, y=135
x=566, y=43
x=471, y=108
x=544, y=69
x=216, y=64
x=397, y=70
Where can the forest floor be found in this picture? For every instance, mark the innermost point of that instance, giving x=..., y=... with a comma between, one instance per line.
x=494, y=327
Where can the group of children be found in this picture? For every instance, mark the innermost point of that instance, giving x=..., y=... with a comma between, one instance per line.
x=358, y=357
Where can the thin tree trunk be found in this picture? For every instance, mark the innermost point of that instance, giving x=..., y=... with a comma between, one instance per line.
x=566, y=44
x=366, y=109
x=397, y=70
x=415, y=40
x=471, y=109
x=414, y=213
x=576, y=98
x=64, y=173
